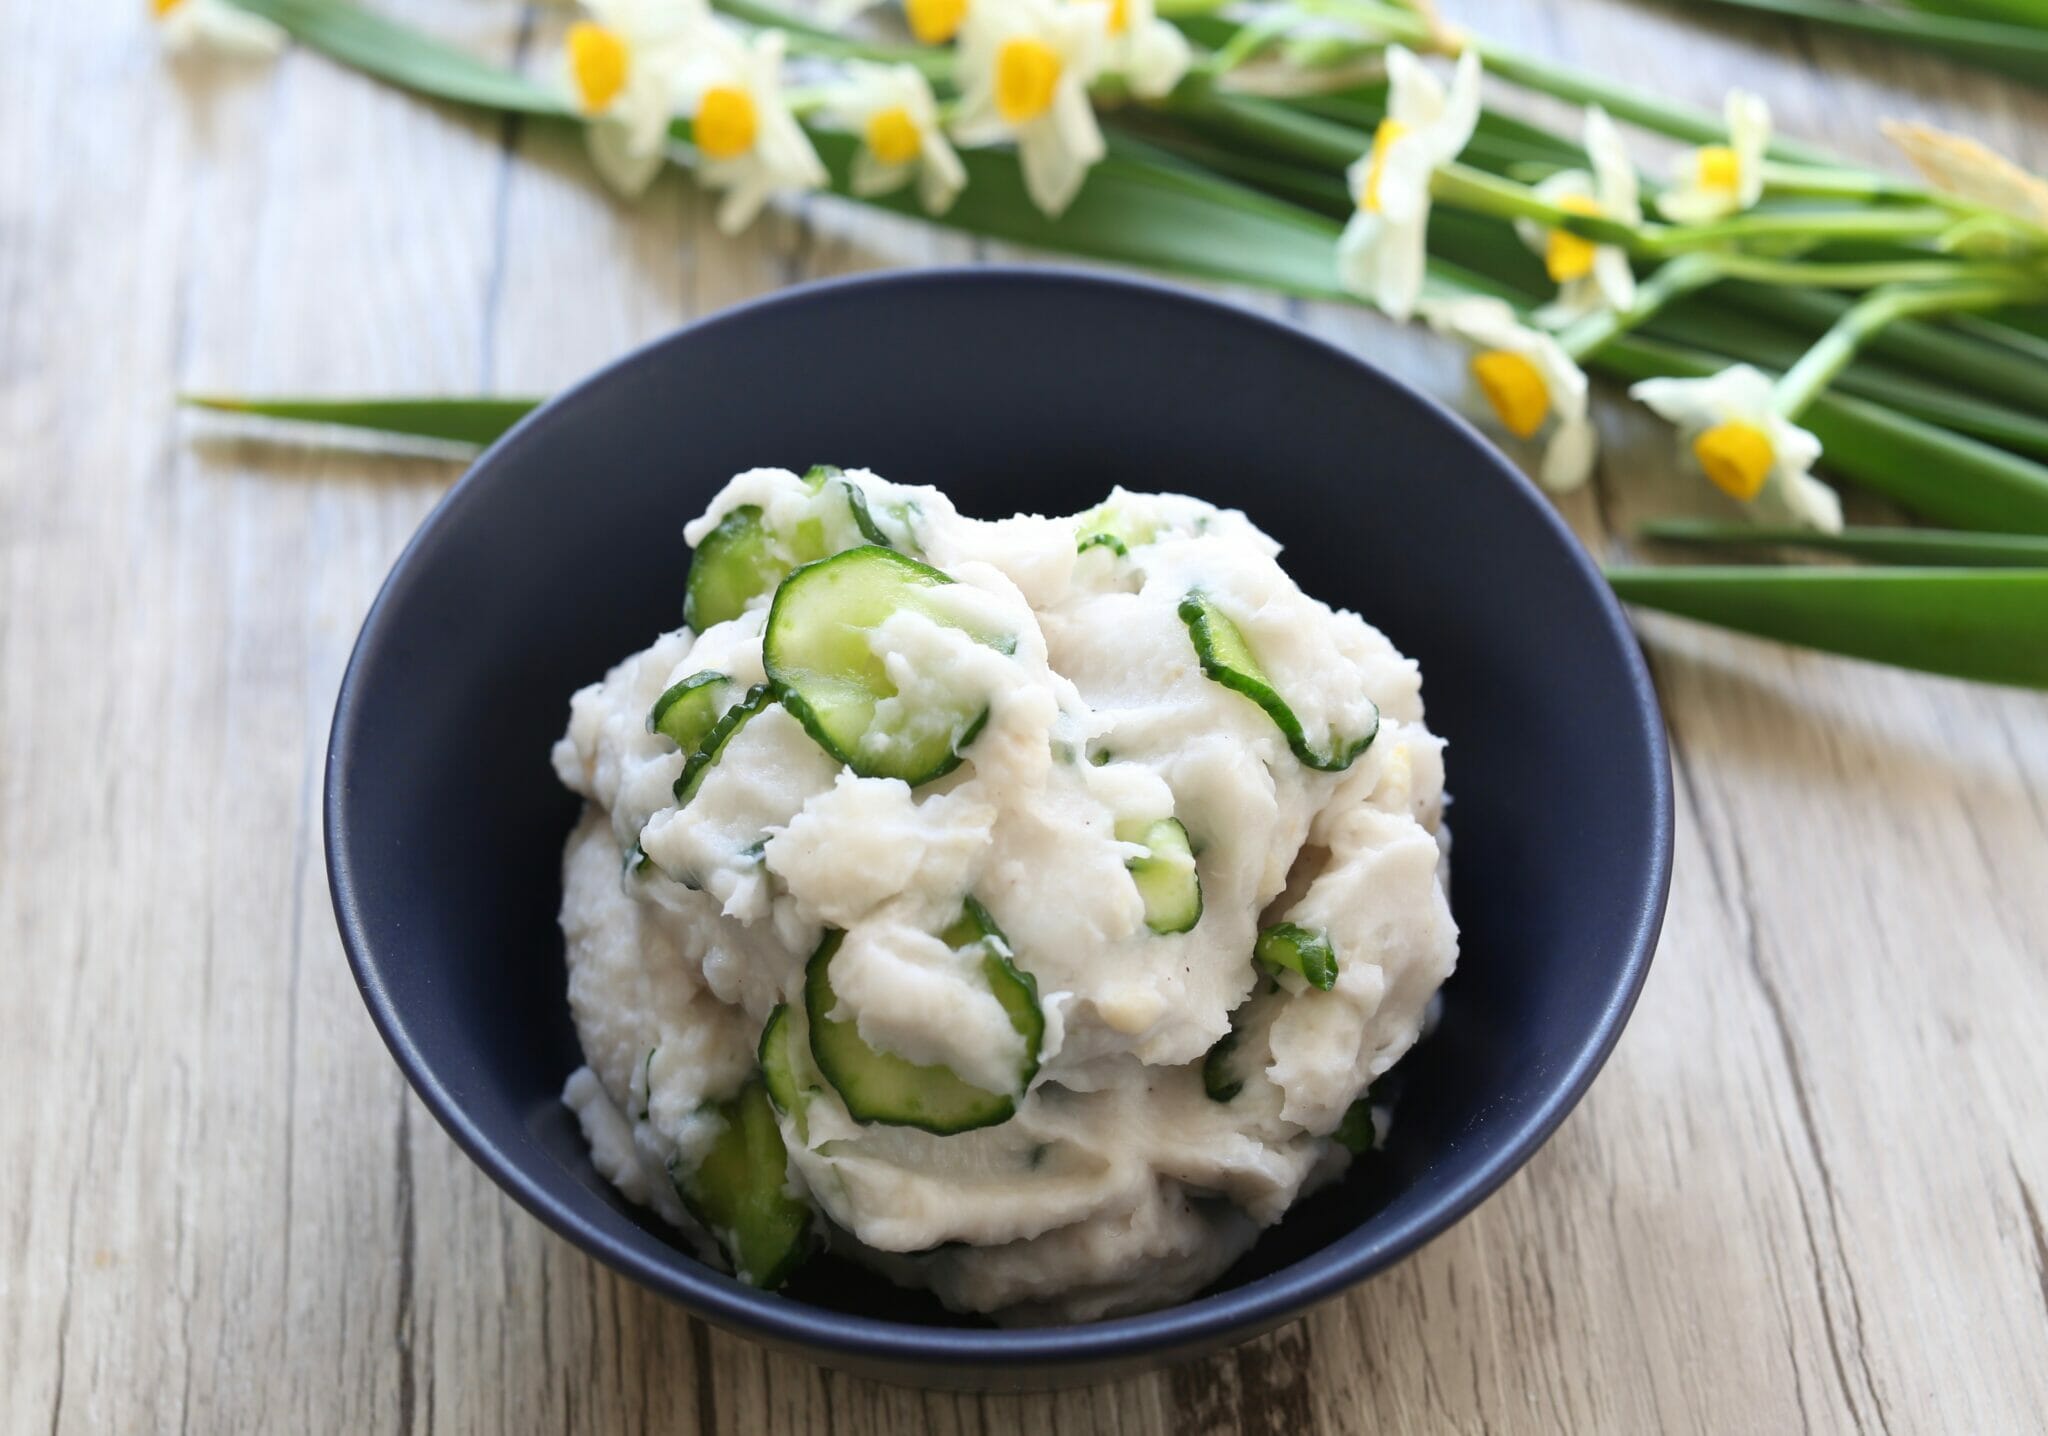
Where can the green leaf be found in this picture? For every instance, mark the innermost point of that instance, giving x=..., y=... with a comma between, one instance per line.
x=1986, y=624
x=404, y=57
x=1944, y=548
x=2013, y=49
x=478, y=420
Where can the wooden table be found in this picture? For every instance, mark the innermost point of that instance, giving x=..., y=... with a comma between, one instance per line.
x=1811, y=1190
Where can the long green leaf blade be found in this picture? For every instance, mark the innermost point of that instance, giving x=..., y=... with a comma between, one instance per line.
x=464, y=420
x=1986, y=624
x=1929, y=548
x=412, y=61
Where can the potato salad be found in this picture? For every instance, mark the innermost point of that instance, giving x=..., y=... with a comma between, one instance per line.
x=1024, y=908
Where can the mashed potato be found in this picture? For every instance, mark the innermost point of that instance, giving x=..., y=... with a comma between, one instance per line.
x=1018, y=1047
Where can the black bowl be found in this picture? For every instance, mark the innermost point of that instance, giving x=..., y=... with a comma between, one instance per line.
x=561, y=552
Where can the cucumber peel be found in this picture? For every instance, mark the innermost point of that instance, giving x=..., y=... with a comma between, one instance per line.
x=735, y=564
x=1166, y=875
x=740, y=1192
x=1227, y=658
x=882, y=1088
x=708, y=752
x=1223, y=1074
x=826, y=673
x=688, y=710
x=1286, y=946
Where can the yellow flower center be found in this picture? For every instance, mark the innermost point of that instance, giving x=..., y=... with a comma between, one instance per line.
x=1515, y=389
x=892, y=136
x=1737, y=457
x=934, y=22
x=726, y=123
x=599, y=59
x=1383, y=139
x=1119, y=16
x=1027, y=72
x=1569, y=256
x=161, y=8
x=1719, y=169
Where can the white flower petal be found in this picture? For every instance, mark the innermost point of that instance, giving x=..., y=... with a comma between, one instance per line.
x=1614, y=278
x=1569, y=457
x=1615, y=183
x=628, y=169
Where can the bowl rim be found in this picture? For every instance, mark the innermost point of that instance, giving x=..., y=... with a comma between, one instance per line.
x=1203, y=1321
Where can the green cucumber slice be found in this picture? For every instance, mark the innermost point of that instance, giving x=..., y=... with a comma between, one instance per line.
x=778, y=1069
x=1287, y=946
x=1166, y=875
x=740, y=1192
x=688, y=710
x=882, y=1088
x=818, y=659
x=708, y=752
x=1108, y=527
x=1223, y=1069
x=1356, y=1133
x=735, y=564
x=1227, y=658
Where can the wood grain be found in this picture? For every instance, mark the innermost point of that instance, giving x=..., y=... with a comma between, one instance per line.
x=1809, y=1192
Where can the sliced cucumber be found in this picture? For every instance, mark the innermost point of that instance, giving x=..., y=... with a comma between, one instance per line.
x=1357, y=1133
x=882, y=1088
x=1166, y=875
x=735, y=564
x=740, y=1192
x=688, y=710
x=1223, y=1070
x=817, y=475
x=1227, y=659
x=863, y=520
x=692, y=777
x=1106, y=526
x=778, y=1067
x=828, y=676
x=1292, y=948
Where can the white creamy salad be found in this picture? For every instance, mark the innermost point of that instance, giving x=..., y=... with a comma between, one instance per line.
x=1024, y=908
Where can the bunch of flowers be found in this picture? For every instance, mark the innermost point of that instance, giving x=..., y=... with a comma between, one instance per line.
x=1773, y=305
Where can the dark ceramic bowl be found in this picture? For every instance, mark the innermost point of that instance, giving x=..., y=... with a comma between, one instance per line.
x=561, y=552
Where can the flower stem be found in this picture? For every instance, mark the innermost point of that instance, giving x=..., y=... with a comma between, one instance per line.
x=1917, y=223
x=1474, y=189
x=1680, y=277
x=1826, y=274
x=811, y=39
x=1832, y=353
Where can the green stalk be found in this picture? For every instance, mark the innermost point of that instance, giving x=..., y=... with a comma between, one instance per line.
x=1802, y=225
x=1671, y=281
x=807, y=37
x=1986, y=624
x=1473, y=189
x=1938, y=548
x=1819, y=366
x=2012, y=49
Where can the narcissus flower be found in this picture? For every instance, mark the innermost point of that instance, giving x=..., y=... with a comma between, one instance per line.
x=751, y=146
x=623, y=62
x=1382, y=253
x=1023, y=70
x=1715, y=181
x=1150, y=53
x=216, y=26
x=1529, y=381
x=1590, y=276
x=891, y=109
x=1747, y=448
